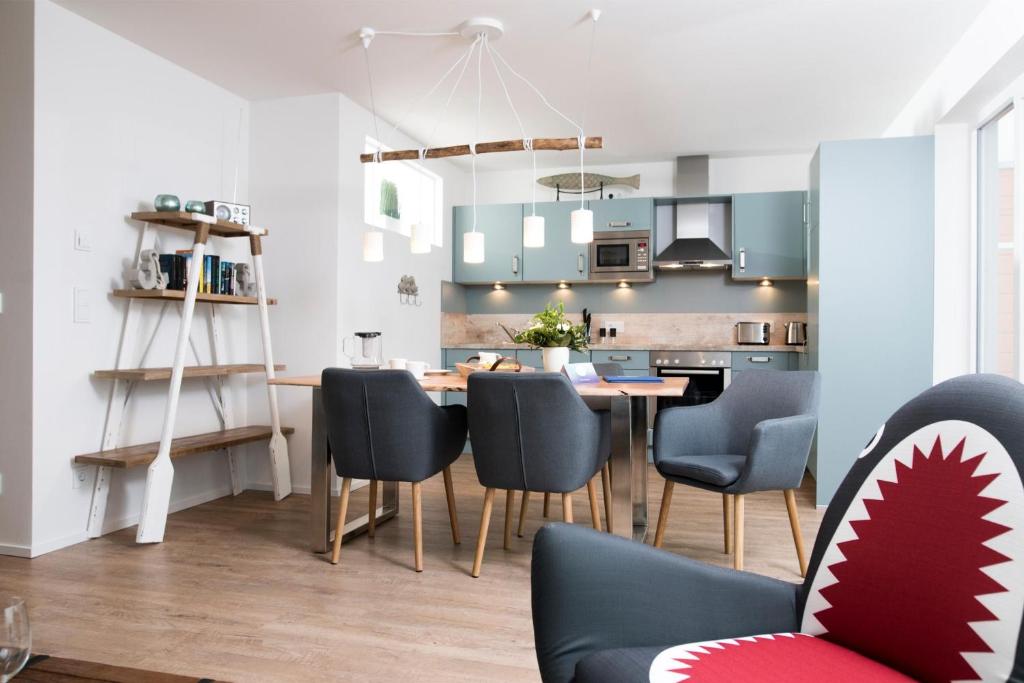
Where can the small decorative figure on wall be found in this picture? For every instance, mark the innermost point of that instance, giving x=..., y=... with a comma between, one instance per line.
x=409, y=291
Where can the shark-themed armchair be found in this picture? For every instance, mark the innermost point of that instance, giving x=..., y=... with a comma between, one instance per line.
x=916, y=574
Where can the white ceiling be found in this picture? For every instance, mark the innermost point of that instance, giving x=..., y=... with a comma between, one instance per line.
x=670, y=77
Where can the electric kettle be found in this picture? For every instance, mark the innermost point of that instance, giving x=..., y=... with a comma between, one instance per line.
x=796, y=333
x=365, y=353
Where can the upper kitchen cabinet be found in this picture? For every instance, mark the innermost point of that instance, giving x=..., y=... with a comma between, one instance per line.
x=502, y=226
x=768, y=236
x=559, y=258
x=622, y=214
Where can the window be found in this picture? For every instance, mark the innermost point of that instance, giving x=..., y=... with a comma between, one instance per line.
x=398, y=194
x=999, y=248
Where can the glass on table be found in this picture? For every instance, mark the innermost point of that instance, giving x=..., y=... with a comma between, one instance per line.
x=15, y=636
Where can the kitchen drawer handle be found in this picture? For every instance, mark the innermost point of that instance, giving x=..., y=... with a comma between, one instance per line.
x=579, y=263
x=622, y=358
x=743, y=260
x=515, y=265
x=620, y=224
x=759, y=359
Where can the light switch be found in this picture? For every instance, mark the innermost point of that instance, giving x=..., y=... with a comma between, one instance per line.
x=83, y=307
x=83, y=241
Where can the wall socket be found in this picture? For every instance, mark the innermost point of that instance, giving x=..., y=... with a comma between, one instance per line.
x=79, y=476
x=616, y=325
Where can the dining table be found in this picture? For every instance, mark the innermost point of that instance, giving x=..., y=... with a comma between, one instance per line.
x=626, y=402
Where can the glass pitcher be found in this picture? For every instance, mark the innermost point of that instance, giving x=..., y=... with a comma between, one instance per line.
x=365, y=349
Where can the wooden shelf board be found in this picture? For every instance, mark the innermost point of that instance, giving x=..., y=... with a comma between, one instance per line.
x=179, y=295
x=143, y=454
x=148, y=374
x=184, y=220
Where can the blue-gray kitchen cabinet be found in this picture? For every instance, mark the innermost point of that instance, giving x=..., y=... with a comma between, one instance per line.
x=559, y=259
x=635, y=213
x=502, y=226
x=768, y=236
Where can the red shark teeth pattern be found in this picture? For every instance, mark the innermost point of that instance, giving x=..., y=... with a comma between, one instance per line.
x=925, y=571
x=775, y=658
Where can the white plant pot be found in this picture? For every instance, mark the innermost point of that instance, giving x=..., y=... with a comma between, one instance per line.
x=555, y=358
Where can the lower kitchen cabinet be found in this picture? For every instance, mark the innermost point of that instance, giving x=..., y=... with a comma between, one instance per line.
x=768, y=360
x=629, y=359
x=768, y=236
x=535, y=358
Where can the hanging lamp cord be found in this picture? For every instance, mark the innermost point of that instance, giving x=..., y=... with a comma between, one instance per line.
x=373, y=102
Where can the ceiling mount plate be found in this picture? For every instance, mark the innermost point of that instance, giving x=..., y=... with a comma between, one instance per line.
x=493, y=28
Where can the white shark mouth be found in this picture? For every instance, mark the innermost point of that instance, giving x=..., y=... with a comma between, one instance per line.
x=991, y=626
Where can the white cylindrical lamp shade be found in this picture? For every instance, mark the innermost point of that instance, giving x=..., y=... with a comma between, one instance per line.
x=533, y=231
x=419, y=238
x=373, y=246
x=581, y=223
x=473, y=247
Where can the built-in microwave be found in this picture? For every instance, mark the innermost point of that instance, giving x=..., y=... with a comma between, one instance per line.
x=622, y=256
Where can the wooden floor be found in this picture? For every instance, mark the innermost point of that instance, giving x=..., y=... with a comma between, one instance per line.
x=234, y=594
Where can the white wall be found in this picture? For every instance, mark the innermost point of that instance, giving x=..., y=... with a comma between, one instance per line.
x=16, y=153
x=728, y=175
x=308, y=182
x=115, y=125
x=969, y=85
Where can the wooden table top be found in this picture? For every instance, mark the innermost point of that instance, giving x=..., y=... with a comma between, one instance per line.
x=671, y=386
x=45, y=669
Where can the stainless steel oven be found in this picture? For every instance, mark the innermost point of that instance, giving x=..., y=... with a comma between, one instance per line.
x=622, y=256
x=709, y=373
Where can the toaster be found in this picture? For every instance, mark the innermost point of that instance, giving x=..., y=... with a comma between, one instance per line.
x=753, y=333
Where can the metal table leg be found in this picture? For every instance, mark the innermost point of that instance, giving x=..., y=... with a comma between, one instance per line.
x=629, y=466
x=320, y=490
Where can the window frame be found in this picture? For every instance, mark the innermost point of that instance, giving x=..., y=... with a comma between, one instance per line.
x=371, y=172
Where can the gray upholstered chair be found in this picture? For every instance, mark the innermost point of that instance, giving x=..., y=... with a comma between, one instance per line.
x=603, y=370
x=532, y=432
x=917, y=572
x=756, y=436
x=382, y=426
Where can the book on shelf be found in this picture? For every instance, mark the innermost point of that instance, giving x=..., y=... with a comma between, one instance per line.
x=215, y=275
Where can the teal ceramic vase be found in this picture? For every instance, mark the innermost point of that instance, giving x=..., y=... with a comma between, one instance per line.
x=166, y=202
x=195, y=206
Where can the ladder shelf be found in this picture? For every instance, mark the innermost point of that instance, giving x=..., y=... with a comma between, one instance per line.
x=143, y=454
x=150, y=374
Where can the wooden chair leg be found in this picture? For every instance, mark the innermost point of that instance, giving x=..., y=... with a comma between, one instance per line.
x=449, y=494
x=481, y=540
x=417, y=523
x=522, y=513
x=510, y=503
x=666, y=503
x=794, y=523
x=727, y=521
x=346, y=485
x=547, y=502
x=371, y=525
x=567, y=508
x=606, y=486
x=737, y=560
x=595, y=511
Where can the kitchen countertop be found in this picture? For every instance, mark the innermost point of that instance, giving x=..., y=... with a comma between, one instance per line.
x=629, y=346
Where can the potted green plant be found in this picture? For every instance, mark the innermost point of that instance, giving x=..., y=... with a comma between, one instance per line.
x=554, y=334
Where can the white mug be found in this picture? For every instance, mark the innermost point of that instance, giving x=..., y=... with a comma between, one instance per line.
x=397, y=363
x=488, y=359
x=418, y=368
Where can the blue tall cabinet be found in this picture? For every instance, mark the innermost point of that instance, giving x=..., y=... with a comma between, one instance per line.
x=870, y=290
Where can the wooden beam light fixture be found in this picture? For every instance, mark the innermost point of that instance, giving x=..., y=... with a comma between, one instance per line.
x=546, y=144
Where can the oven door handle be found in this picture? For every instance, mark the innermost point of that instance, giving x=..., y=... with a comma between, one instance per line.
x=669, y=371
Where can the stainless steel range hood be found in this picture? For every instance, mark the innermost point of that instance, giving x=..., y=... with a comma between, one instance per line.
x=696, y=231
